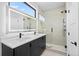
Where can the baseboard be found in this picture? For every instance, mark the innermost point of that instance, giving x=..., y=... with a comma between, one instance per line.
x=56, y=47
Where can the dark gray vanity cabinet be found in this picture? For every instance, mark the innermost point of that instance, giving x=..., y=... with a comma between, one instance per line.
x=23, y=50
x=33, y=48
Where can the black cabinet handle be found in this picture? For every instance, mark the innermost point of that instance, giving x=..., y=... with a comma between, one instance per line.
x=75, y=43
x=68, y=54
x=30, y=45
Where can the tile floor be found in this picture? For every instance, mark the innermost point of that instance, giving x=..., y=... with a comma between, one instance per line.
x=51, y=52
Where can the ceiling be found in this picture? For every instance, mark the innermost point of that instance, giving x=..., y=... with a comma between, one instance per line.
x=46, y=6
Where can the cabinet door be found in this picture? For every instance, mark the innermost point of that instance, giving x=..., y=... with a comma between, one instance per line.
x=43, y=42
x=35, y=51
x=6, y=51
x=38, y=46
x=23, y=50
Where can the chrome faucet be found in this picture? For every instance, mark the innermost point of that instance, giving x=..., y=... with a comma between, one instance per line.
x=20, y=35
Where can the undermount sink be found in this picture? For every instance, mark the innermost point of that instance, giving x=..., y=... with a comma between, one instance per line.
x=25, y=38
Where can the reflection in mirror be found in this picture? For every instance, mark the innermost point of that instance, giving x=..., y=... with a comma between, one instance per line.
x=21, y=22
x=29, y=23
x=41, y=24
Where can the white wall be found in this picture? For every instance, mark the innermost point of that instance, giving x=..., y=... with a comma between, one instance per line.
x=3, y=18
x=54, y=19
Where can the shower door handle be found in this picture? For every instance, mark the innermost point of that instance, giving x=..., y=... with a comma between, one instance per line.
x=75, y=43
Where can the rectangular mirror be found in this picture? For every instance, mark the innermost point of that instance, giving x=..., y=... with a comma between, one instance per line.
x=19, y=21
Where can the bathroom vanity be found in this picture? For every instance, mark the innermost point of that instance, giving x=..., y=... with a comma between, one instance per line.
x=27, y=45
x=32, y=45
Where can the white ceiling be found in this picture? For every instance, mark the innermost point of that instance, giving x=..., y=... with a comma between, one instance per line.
x=46, y=6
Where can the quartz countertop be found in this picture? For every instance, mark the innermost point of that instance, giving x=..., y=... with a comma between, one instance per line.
x=16, y=41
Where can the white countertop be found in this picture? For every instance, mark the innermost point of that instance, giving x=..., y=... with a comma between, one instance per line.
x=15, y=42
